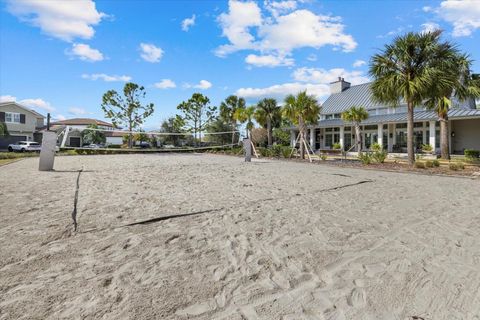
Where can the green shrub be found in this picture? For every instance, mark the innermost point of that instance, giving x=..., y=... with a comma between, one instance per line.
x=323, y=157
x=287, y=152
x=436, y=163
x=379, y=156
x=276, y=150
x=337, y=146
x=365, y=158
x=419, y=164
x=114, y=146
x=428, y=164
x=455, y=166
x=376, y=147
x=427, y=148
x=471, y=154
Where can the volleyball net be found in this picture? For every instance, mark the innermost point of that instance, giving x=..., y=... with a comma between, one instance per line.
x=98, y=138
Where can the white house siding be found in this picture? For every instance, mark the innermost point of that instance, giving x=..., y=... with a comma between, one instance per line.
x=114, y=140
x=467, y=135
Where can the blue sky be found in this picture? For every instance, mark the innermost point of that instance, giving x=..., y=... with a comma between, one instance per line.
x=61, y=56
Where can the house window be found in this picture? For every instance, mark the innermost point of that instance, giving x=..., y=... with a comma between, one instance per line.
x=12, y=117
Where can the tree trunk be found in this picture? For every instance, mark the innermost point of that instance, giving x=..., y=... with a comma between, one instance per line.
x=410, y=149
x=234, y=127
x=358, y=138
x=301, y=129
x=444, y=143
x=269, y=131
x=130, y=136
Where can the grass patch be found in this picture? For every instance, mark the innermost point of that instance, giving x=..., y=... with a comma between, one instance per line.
x=17, y=155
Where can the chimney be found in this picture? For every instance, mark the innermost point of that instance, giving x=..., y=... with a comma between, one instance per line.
x=339, y=86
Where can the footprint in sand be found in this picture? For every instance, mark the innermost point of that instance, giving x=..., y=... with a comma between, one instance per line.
x=357, y=298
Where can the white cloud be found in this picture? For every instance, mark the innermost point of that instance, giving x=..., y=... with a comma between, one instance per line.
x=235, y=26
x=77, y=111
x=203, y=85
x=280, y=91
x=359, y=63
x=187, y=23
x=269, y=60
x=303, y=28
x=430, y=26
x=323, y=76
x=106, y=77
x=165, y=84
x=37, y=103
x=282, y=32
x=463, y=15
x=8, y=98
x=65, y=20
x=32, y=103
x=59, y=117
x=85, y=52
x=280, y=7
x=427, y=9
x=150, y=52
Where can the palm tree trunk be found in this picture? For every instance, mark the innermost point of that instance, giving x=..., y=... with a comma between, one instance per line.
x=358, y=138
x=410, y=150
x=301, y=128
x=269, y=132
x=444, y=143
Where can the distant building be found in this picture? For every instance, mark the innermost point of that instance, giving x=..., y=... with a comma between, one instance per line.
x=77, y=125
x=387, y=125
x=23, y=123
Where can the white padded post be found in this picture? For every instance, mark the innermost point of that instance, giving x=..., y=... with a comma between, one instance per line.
x=47, y=153
x=247, y=146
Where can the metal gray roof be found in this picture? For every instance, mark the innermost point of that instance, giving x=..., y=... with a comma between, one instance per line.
x=361, y=95
x=453, y=114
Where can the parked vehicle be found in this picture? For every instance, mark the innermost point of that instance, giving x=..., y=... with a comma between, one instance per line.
x=93, y=146
x=144, y=145
x=25, y=146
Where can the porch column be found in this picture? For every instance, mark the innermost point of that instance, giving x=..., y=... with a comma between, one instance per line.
x=431, y=136
x=342, y=135
x=312, y=138
x=424, y=138
x=293, y=138
x=380, y=134
x=390, y=135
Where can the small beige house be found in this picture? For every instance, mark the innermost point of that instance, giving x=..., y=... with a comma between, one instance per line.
x=23, y=123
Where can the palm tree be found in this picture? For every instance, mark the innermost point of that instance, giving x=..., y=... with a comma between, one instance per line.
x=302, y=110
x=462, y=87
x=268, y=114
x=246, y=115
x=228, y=109
x=356, y=115
x=405, y=70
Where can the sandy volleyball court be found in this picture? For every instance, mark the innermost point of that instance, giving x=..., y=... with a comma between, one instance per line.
x=264, y=240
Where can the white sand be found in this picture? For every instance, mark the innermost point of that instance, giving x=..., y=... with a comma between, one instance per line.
x=278, y=242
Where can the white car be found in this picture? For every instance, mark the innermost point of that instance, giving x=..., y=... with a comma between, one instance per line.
x=23, y=146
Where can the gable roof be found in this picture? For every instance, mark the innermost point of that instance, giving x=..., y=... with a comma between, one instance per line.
x=362, y=95
x=82, y=122
x=7, y=103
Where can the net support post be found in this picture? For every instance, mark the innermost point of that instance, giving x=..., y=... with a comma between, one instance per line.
x=47, y=153
x=247, y=147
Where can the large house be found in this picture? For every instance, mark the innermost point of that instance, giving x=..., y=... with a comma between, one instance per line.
x=388, y=125
x=23, y=124
x=70, y=131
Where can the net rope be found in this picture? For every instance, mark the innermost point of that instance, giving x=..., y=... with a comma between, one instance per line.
x=180, y=145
